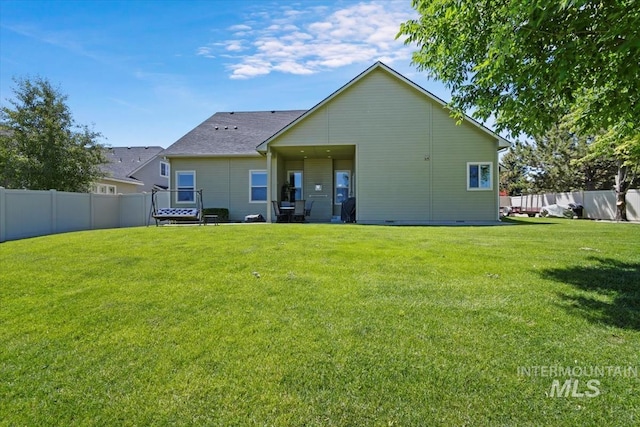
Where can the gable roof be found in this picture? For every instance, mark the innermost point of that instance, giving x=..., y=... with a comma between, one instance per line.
x=124, y=161
x=262, y=147
x=231, y=133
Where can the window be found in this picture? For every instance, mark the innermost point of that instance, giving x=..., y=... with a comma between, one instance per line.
x=105, y=189
x=295, y=180
x=186, y=186
x=164, y=169
x=479, y=176
x=258, y=186
x=343, y=184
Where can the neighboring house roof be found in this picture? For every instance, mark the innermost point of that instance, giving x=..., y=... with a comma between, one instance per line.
x=262, y=147
x=231, y=133
x=125, y=161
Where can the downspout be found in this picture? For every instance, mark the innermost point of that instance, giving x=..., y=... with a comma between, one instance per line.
x=269, y=174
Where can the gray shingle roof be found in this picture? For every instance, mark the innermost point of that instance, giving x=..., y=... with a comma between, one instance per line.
x=232, y=133
x=123, y=161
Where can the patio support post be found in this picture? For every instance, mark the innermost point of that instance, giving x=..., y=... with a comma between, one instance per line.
x=269, y=174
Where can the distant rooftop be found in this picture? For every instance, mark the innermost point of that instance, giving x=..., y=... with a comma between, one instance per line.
x=123, y=161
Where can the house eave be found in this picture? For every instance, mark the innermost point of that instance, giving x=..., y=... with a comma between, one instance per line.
x=503, y=143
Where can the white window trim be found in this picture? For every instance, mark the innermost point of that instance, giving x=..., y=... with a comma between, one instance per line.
x=251, y=186
x=168, y=168
x=479, y=188
x=106, y=187
x=302, y=183
x=335, y=186
x=177, y=188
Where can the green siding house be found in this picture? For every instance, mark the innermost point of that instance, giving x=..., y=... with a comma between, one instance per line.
x=381, y=139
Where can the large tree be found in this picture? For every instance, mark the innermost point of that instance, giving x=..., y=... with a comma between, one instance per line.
x=41, y=146
x=531, y=63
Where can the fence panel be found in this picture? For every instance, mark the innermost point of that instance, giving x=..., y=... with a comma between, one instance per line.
x=73, y=212
x=26, y=213
x=565, y=199
x=105, y=211
x=600, y=204
x=597, y=204
x=134, y=210
x=163, y=199
x=548, y=199
x=633, y=205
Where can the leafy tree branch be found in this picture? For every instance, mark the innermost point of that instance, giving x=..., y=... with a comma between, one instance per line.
x=41, y=146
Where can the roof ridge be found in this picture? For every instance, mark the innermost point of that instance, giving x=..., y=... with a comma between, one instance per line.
x=260, y=111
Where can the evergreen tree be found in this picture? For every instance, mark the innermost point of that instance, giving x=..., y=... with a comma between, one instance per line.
x=554, y=163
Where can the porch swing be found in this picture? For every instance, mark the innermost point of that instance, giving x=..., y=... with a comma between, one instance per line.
x=177, y=214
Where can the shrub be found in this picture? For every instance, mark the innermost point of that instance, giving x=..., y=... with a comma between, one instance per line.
x=223, y=213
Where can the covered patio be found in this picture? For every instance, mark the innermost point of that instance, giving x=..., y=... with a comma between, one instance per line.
x=322, y=174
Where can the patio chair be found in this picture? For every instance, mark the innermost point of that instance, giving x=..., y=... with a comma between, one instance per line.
x=307, y=207
x=280, y=216
x=298, y=211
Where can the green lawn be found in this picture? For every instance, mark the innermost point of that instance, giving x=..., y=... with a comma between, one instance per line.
x=321, y=325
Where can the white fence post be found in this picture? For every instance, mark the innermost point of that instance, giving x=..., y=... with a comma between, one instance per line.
x=120, y=213
x=91, y=212
x=54, y=211
x=145, y=210
x=3, y=216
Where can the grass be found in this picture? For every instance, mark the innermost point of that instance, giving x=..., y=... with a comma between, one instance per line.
x=289, y=324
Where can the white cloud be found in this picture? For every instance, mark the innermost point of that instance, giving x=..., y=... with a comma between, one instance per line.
x=292, y=12
x=304, y=39
x=239, y=27
x=235, y=45
x=296, y=37
x=250, y=67
x=293, y=68
x=205, y=51
x=320, y=27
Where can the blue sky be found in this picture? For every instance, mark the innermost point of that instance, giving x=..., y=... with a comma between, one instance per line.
x=147, y=72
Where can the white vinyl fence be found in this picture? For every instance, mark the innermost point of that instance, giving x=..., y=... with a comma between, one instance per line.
x=597, y=204
x=26, y=213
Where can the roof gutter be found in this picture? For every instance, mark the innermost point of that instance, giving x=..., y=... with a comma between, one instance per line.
x=124, y=181
x=169, y=156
